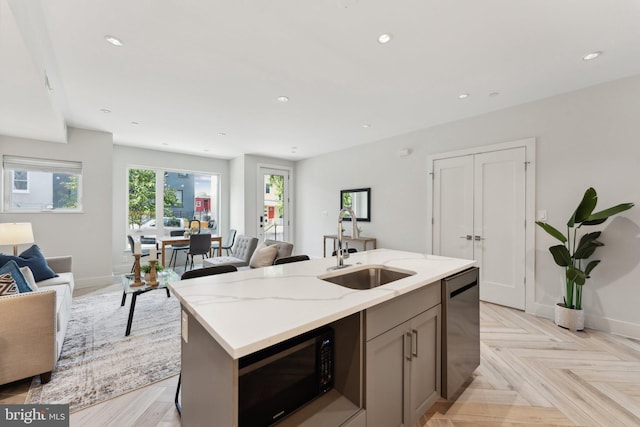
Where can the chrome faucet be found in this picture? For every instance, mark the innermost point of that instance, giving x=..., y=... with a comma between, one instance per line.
x=342, y=254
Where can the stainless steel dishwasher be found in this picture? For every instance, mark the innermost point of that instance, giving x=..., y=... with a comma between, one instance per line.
x=460, y=330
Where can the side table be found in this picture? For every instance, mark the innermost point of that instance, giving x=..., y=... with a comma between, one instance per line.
x=364, y=240
x=164, y=278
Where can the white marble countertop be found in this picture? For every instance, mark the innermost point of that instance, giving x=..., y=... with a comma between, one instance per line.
x=253, y=309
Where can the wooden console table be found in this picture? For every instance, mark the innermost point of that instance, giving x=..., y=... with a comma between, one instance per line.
x=364, y=240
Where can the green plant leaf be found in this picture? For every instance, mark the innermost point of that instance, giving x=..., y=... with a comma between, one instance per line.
x=587, y=245
x=561, y=255
x=552, y=231
x=594, y=222
x=603, y=215
x=576, y=276
x=584, y=209
x=590, y=267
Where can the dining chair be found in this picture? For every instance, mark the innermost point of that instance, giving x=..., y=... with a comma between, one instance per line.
x=176, y=248
x=289, y=259
x=143, y=252
x=227, y=244
x=199, y=244
x=191, y=274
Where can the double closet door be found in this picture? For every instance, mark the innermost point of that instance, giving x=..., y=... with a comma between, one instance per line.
x=479, y=213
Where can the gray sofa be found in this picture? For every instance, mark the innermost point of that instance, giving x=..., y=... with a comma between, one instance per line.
x=34, y=325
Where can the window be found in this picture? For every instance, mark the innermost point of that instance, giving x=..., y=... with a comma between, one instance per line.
x=184, y=195
x=32, y=185
x=20, y=181
x=179, y=198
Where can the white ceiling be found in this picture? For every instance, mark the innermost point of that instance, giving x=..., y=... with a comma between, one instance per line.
x=190, y=71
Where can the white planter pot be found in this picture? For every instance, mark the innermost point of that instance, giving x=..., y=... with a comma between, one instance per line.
x=569, y=318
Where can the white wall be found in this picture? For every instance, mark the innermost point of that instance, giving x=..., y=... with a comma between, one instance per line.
x=125, y=157
x=585, y=138
x=87, y=235
x=237, y=188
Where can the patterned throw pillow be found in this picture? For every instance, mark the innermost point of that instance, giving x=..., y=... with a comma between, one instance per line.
x=7, y=285
x=14, y=271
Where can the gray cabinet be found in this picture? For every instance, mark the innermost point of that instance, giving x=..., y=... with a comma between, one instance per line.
x=403, y=363
x=210, y=391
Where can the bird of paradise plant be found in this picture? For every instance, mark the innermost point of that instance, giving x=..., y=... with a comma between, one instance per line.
x=572, y=253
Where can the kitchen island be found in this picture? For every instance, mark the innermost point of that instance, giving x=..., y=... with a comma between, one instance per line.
x=231, y=316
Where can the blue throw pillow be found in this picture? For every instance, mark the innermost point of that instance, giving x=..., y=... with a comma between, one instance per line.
x=33, y=259
x=12, y=268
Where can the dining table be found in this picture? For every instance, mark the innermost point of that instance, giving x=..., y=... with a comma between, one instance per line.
x=165, y=241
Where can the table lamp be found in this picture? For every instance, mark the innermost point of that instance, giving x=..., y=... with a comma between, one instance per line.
x=15, y=233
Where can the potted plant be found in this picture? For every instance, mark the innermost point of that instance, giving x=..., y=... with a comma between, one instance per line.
x=573, y=253
x=146, y=269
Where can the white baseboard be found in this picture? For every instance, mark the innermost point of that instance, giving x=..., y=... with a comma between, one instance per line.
x=604, y=324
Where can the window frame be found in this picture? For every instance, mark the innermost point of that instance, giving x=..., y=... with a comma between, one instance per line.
x=161, y=180
x=13, y=182
x=31, y=165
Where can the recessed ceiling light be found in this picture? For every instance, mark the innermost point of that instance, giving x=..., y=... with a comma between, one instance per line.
x=463, y=95
x=592, y=55
x=385, y=38
x=366, y=126
x=283, y=99
x=104, y=110
x=113, y=40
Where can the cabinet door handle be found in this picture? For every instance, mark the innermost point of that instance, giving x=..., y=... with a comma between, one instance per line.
x=467, y=237
x=478, y=238
x=414, y=332
x=406, y=338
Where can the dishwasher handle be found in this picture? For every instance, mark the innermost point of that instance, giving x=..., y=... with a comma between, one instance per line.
x=458, y=291
x=460, y=282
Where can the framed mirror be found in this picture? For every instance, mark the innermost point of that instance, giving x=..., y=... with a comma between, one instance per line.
x=359, y=200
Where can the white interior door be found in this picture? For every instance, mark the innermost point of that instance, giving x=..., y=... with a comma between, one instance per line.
x=273, y=204
x=499, y=226
x=453, y=207
x=479, y=213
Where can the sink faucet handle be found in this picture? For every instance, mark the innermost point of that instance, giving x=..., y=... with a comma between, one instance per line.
x=345, y=251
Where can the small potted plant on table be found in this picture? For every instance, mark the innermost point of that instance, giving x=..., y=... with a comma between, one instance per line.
x=146, y=269
x=573, y=253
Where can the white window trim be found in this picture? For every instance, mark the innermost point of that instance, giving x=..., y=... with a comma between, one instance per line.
x=11, y=163
x=13, y=183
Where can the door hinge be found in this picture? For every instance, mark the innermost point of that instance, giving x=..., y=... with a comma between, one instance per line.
x=526, y=164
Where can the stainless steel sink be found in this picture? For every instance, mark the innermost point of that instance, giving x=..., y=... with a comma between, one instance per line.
x=366, y=277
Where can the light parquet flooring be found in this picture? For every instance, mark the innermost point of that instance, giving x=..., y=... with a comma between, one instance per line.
x=535, y=373
x=532, y=373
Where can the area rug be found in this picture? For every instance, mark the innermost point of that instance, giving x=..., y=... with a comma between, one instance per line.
x=98, y=362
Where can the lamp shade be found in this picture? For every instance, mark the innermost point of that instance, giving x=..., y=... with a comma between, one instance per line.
x=15, y=233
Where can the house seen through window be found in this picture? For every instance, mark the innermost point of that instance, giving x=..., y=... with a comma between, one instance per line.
x=37, y=185
x=184, y=196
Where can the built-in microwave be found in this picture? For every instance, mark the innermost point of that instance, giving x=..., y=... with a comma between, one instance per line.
x=274, y=382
